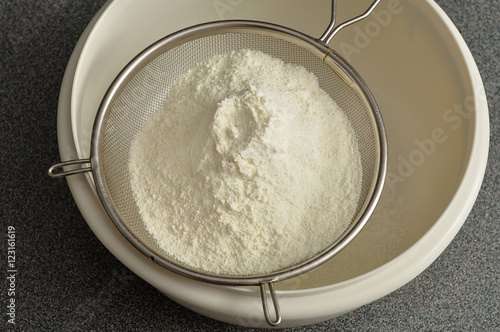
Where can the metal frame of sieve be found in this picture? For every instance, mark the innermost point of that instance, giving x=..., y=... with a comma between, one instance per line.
x=107, y=136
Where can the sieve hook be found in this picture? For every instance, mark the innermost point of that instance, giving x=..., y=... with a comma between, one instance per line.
x=277, y=320
x=57, y=170
x=332, y=31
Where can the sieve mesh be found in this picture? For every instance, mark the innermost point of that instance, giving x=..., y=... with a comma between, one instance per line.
x=143, y=89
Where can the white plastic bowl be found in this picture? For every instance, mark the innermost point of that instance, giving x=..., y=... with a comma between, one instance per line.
x=434, y=106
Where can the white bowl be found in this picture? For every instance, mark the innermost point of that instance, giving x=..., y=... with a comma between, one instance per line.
x=434, y=106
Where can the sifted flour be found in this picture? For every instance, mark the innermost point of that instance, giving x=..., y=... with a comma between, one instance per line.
x=249, y=168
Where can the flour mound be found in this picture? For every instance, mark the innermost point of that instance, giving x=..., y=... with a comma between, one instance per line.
x=248, y=169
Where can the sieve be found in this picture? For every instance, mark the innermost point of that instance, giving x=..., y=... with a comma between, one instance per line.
x=142, y=87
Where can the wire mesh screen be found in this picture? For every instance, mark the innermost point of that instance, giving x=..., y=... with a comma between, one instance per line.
x=145, y=90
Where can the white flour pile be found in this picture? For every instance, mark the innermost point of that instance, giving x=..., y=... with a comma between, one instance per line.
x=249, y=168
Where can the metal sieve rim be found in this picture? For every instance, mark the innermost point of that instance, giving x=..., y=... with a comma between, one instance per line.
x=336, y=62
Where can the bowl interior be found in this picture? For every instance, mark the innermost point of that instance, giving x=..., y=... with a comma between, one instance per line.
x=416, y=76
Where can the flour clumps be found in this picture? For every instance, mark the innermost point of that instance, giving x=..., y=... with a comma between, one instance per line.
x=249, y=168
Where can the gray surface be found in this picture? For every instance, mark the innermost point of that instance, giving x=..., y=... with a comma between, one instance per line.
x=67, y=280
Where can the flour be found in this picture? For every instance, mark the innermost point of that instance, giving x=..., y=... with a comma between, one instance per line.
x=249, y=168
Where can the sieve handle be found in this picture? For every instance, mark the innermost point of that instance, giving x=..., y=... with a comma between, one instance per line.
x=332, y=31
x=274, y=298
x=57, y=170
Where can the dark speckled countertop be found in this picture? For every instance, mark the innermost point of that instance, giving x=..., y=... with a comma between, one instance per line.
x=63, y=269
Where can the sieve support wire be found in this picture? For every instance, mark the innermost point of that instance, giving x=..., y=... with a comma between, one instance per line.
x=331, y=31
x=274, y=299
x=58, y=170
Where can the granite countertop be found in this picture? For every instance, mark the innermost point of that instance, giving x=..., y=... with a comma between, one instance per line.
x=66, y=277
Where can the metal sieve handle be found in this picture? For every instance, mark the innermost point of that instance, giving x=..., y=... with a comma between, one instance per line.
x=277, y=311
x=332, y=31
x=57, y=170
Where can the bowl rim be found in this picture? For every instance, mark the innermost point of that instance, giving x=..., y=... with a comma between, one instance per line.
x=438, y=236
